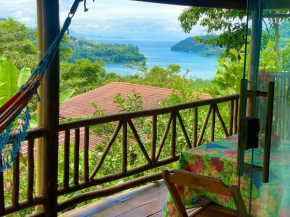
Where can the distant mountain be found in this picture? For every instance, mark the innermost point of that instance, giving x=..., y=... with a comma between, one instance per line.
x=110, y=53
x=284, y=30
x=190, y=46
x=2, y=19
x=92, y=36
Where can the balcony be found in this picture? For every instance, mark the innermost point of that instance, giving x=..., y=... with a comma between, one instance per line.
x=87, y=172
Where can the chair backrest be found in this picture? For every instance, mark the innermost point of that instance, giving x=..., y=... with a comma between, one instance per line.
x=196, y=181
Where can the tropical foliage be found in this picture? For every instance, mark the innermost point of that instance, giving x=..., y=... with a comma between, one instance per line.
x=192, y=46
x=109, y=53
x=226, y=25
x=229, y=27
x=9, y=79
x=16, y=44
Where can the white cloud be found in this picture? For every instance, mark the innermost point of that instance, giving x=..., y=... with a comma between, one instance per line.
x=108, y=27
x=18, y=14
x=170, y=29
x=92, y=26
x=108, y=17
x=26, y=20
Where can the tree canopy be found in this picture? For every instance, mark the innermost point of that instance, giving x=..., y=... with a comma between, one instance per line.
x=226, y=24
x=229, y=26
x=15, y=43
x=109, y=53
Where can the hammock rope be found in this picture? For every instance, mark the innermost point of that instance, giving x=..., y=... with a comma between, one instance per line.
x=14, y=118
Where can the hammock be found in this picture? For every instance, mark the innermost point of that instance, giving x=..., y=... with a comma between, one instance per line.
x=14, y=118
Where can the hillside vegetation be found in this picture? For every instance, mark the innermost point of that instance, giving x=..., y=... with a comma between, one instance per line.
x=109, y=53
x=191, y=46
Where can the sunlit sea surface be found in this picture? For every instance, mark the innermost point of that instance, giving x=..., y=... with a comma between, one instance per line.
x=158, y=53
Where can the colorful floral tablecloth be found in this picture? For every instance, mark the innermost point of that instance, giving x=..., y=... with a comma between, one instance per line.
x=219, y=159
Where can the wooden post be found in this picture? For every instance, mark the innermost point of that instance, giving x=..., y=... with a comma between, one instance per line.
x=195, y=127
x=214, y=108
x=86, y=154
x=154, y=138
x=254, y=56
x=173, y=135
x=50, y=102
x=39, y=161
x=76, y=156
x=124, y=147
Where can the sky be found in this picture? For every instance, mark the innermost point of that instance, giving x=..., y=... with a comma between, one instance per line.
x=122, y=18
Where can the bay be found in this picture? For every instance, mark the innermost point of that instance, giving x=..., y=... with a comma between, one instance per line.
x=158, y=53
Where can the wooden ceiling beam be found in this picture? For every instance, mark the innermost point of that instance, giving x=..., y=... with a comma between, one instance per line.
x=225, y=4
x=276, y=5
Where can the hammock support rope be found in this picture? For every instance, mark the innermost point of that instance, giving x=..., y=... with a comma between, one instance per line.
x=14, y=118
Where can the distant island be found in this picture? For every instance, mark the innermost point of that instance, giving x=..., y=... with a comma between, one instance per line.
x=110, y=53
x=190, y=46
x=92, y=36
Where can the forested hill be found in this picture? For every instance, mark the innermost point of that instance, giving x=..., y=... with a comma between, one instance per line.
x=284, y=33
x=189, y=45
x=110, y=53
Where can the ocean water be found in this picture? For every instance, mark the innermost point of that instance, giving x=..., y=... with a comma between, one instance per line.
x=158, y=53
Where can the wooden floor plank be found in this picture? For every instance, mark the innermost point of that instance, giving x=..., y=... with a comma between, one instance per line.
x=135, y=213
x=115, y=210
x=154, y=206
x=158, y=214
x=149, y=197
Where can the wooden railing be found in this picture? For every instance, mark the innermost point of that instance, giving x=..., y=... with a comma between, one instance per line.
x=30, y=201
x=77, y=140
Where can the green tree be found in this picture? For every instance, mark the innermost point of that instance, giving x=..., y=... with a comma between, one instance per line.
x=228, y=76
x=81, y=76
x=285, y=53
x=133, y=103
x=65, y=52
x=15, y=43
x=229, y=22
x=232, y=26
x=156, y=76
x=95, y=51
x=160, y=76
x=274, y=20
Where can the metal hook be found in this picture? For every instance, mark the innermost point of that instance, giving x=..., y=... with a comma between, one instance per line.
x=85, y=6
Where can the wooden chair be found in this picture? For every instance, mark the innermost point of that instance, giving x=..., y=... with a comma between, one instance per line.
x=205, y=183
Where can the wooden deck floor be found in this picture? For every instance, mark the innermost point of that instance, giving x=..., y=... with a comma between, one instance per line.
x=141, y=202
x=148, y=203
x=144, y=201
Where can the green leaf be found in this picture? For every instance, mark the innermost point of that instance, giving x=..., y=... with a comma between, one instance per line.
x=64, y=95
x=8, y=76
x=2, y=84
x=23, y=76
x=33, y=120
x=2, y=59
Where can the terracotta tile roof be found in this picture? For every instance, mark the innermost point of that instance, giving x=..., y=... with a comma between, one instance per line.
x=93, y=141
x=80, y=105
x=202, y=95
